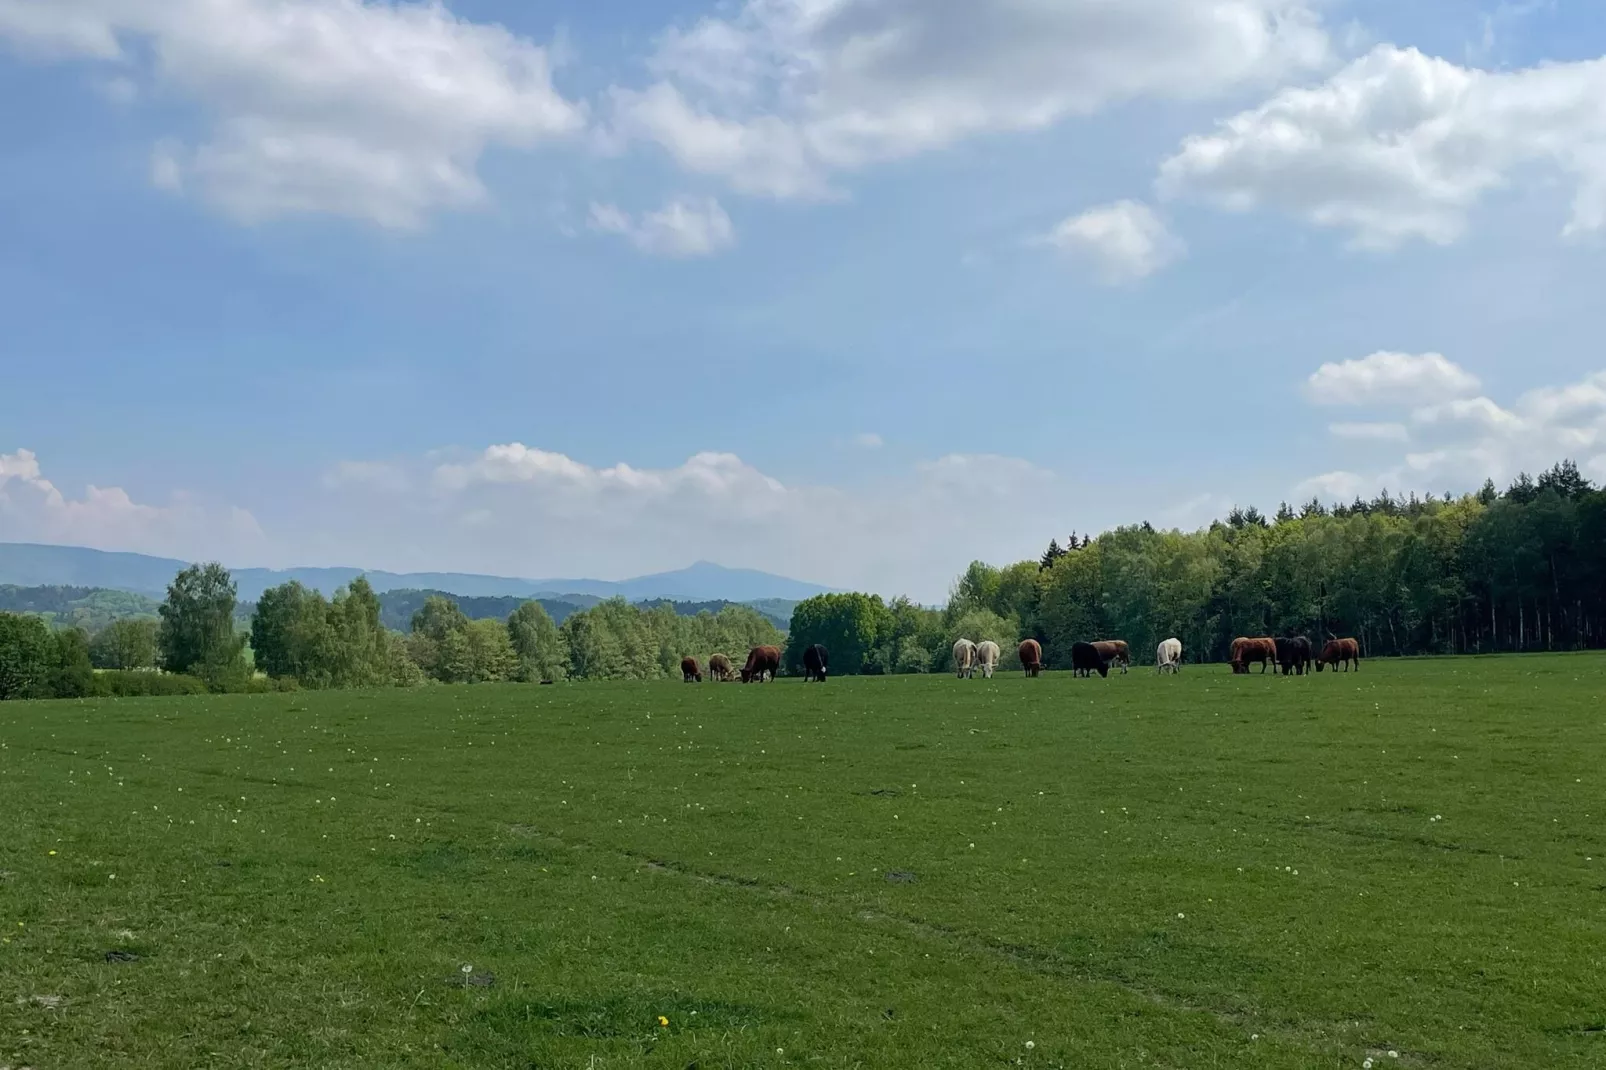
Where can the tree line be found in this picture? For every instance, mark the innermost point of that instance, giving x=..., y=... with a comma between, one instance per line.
x=1519, y=570
x=297, y=638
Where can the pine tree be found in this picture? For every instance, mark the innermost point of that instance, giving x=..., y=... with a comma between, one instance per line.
x=1565, y=480
x=1053, y=554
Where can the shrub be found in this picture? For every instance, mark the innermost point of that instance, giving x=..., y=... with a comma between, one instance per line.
x=134, y=683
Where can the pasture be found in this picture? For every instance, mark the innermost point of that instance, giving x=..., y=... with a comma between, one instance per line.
x=1406, y=865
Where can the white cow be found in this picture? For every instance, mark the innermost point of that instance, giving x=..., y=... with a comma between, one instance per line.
x=987, y=657
x=965, y=659
x=1169, y=657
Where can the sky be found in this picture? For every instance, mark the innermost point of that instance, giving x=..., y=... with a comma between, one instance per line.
x=856, y=291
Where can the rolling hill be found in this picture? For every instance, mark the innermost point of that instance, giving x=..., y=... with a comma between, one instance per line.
x=35, y=565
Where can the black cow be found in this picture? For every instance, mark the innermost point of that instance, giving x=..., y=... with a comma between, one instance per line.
x=815, y=662
x=1294, y=655
x=1086, y=660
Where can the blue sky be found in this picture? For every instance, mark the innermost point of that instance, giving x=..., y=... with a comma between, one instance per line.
x=855, y=290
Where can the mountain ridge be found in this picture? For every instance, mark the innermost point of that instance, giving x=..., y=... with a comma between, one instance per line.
x=41, y=565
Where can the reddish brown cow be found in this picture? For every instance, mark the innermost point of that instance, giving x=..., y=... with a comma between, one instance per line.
x=690, y=671
x=1340, y=651
x=1031, y=657
x=1246, y=650
x=761, y=660
x=1115, y=652
x=719, y=667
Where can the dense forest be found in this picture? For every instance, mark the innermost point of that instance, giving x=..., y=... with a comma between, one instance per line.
x=1519, y=570
x=89, y=608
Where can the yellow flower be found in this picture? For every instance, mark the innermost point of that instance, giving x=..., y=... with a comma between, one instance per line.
x=52, y=853
x=663, y=1023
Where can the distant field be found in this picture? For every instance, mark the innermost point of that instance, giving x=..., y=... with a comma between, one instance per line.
x=1206, y=871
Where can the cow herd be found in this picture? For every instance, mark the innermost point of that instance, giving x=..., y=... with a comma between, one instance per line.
x=1292, y=656
x=763, y=664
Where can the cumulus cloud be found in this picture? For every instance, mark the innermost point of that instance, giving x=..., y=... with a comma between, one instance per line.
x=1124, y=241
x=1456, y=444
x=33, y=509
x=782, y=95
x=1390, y=379
x=372, y=110
x=682, y=228
x=517, y=509
x=1399, y=145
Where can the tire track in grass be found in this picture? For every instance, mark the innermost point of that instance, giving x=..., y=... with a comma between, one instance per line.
x=1043, y=962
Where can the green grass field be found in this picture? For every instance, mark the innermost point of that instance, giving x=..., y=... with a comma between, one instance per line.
x=1406, y=865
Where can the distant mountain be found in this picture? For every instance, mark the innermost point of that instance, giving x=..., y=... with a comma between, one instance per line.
x=32, y=565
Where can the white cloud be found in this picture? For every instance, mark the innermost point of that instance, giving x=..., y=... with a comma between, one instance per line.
x=1399, y=146
x=1390, y=379
x=33, y=509
x=1334, y=487
x=1467, y=414
x=784, y=94
x=515, y=509
x=1125, y=241
x=372, y=110
x=1460, y=442
x=1370, y=432
x=869, y=440
x=58, y=28
x=682, y=228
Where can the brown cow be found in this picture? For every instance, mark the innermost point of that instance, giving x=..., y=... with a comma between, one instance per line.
x=1246, y=650
x=1115, y=652
x=719, y=667
x=1031, y=657
x=1340, y=651
x=690, y=671
x=761, y=660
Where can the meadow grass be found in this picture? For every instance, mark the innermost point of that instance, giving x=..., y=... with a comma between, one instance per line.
x=1203, y=871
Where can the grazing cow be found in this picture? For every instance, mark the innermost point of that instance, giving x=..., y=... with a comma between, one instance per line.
x=1168, y=658
x=1246, y=650
x=761, y=660
x=719, y=667
x=690, y=671
x=1115, y=652
x=815, y=662
x=1340, y=652
x=987, y=654
x=1294, y=655
x=1031, y=656
x=965, y=659
x=1087, y=659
